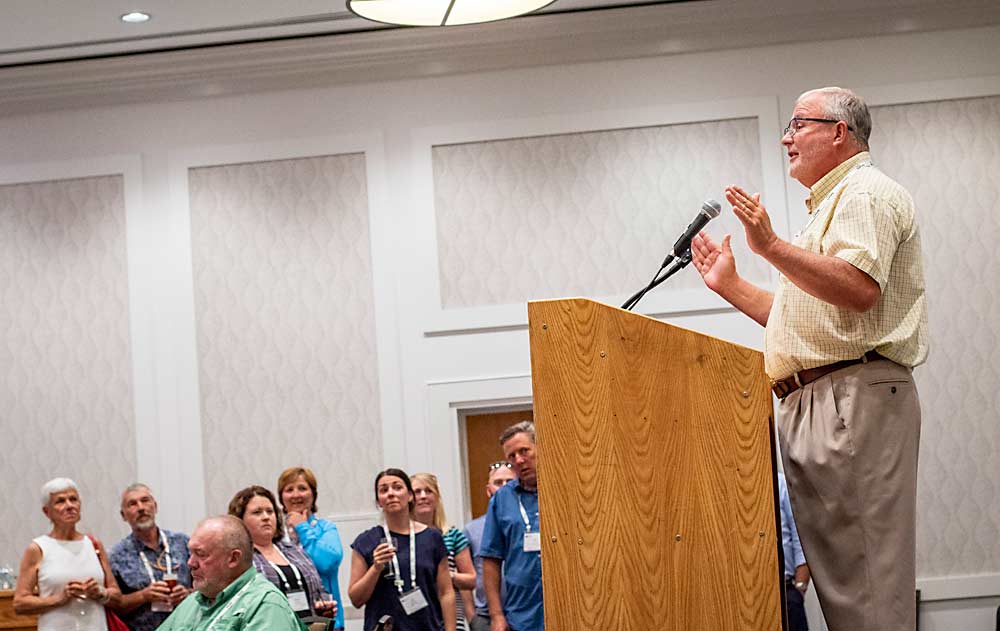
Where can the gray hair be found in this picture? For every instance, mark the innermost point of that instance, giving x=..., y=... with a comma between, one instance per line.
x=524, y=427
x=233, y=535
x=57, y=485
x=135, y=486
x=844, y=105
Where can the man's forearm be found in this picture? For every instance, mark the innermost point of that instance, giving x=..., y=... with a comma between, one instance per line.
x=491, y=585
x=831, y=279
x=127, y=602
x=749, y=299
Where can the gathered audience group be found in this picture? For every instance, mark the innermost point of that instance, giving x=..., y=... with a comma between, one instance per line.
x=272, y=563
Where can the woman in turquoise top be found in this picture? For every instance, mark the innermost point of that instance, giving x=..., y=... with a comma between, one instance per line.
x=319, y=537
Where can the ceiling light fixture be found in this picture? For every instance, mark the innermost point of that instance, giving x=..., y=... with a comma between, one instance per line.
x=135, y=17
x=442, y=12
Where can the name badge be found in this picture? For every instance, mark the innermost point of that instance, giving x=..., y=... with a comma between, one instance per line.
x=412, y=601
x=532, y=542
x=298, y=601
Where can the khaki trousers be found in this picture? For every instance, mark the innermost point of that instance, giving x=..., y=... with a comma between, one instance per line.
x=849, y=444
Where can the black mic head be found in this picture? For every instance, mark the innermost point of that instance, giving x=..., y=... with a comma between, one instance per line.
x=711, y=208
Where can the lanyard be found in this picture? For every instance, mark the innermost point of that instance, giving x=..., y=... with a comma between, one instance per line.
x=524, y=514
x=166, y=549
x=413, y=559
x=229, y=605
x=282, y=576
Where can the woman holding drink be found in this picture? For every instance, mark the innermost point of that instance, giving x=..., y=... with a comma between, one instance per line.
x=284, y=564
x=400, y=568
x=64, y=577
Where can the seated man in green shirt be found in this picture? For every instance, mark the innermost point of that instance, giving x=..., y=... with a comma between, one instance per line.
x=229, y=593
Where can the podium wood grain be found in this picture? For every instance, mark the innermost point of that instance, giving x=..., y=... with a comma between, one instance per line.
x=10, y=621
x=655, y=474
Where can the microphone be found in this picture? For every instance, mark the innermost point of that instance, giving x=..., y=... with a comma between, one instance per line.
x=681, y=253
x=710, y=209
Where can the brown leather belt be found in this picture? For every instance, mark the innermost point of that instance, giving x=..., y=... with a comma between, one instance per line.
x=784, y=387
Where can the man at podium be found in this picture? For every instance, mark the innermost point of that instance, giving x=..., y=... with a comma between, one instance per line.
x=844, y=327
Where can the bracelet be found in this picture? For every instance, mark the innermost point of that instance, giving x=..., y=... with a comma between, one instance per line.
x=104, y=595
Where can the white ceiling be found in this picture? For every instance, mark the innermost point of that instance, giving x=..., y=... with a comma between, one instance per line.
x=48, y=30
x=56, y=54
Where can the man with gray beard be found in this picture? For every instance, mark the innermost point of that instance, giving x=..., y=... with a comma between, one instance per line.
x=150, y=564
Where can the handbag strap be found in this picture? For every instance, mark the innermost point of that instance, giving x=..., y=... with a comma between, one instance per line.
x=111, y=618
x=97, y=550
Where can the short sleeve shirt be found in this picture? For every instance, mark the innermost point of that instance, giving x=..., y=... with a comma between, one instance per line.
x=861, y=216
x=503, y=538
x=130, y=573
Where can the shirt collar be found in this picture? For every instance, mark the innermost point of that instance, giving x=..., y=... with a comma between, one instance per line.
x=822, y=188
x=229, y=591
x=139, y=544
x=521, y=488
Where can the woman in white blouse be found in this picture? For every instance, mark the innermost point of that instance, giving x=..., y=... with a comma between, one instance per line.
x=68, y=570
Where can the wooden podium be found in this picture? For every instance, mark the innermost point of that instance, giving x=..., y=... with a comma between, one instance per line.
x=656, y=475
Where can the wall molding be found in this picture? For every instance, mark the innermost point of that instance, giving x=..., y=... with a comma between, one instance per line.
x=447, y=401
x=940, y=588
x=544, y=39
x=140, y=306
x=180, y=161
x=437, y=321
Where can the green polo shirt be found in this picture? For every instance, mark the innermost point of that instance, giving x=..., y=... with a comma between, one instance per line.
x=249, y=603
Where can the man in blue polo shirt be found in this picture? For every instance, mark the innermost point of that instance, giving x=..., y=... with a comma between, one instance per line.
x=511, y=537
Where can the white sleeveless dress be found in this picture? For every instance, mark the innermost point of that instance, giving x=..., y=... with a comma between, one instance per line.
x=62, y=562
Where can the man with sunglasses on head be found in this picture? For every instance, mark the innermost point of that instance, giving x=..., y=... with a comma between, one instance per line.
x=500, y=473
x=150, y=564
x=844, y=327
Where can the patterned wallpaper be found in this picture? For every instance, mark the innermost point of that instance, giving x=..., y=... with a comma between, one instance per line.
x=66, y=394
x=589, y=213
x=285, y=326
x=948, y=154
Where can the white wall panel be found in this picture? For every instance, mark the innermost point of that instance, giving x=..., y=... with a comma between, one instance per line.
x=581, y=214
x=286, y=344
x=66, y=401
x=947, y=153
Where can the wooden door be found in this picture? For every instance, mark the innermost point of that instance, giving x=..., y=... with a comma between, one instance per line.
x=482, y=445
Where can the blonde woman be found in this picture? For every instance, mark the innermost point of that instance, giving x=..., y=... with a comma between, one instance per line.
x=428, y=510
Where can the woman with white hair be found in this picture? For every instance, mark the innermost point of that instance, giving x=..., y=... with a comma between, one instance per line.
x=68, y=570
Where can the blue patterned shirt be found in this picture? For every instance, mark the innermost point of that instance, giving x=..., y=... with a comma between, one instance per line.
x=130, y=572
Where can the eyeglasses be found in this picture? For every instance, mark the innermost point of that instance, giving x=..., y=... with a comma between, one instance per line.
x=497, y=465
x=793, y=125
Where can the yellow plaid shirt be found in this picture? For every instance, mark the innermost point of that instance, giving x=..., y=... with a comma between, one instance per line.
x=859, y=215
